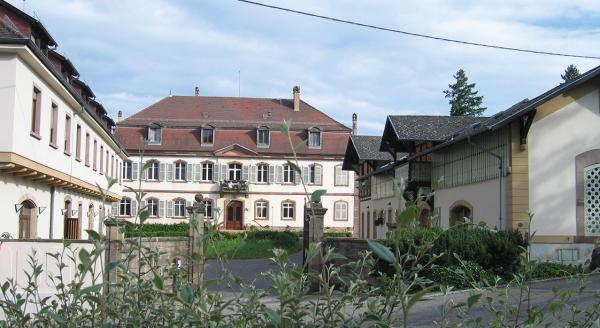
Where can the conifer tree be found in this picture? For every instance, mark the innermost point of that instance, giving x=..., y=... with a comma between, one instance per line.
x=571, y=73
x=464, y=100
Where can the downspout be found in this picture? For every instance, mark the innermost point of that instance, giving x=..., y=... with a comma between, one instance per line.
x=52, y=191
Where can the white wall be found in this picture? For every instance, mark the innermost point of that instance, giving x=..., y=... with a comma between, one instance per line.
x=483, y=196
x=274, y=193
x=554, y=141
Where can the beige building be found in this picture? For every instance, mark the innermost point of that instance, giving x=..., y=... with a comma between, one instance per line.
x=232, y=151
x=56, y=143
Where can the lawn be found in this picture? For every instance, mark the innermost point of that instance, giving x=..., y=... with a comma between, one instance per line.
x=239, y=248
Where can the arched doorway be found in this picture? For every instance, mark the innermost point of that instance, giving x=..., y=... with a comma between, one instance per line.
x=424, y=214
x=459, y=211
x=234, y=219
x=71, y=229
x=27, y=220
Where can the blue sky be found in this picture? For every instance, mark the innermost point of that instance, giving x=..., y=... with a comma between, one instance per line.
x=132, y=53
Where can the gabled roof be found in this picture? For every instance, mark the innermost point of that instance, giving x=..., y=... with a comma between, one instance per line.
x=517, y=110
x=364, y=148
x=428, y=128
x=65, y=61
x=35, y=24
x=232, y=112
x=86, y=88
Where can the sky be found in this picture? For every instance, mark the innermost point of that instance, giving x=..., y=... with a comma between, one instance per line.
x=132, y=53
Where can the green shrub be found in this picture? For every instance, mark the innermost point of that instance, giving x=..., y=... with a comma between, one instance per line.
x=461, y=276
x=544, y=270
x=337, y=234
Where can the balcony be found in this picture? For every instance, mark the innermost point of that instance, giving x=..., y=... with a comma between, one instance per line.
x=234, y=186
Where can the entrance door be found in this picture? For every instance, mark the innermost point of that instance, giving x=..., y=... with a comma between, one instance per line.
x=25, y=220
x=235, y=217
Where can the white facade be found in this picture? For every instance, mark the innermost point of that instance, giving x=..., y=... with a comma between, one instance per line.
x=34, y=170
x=275, y=192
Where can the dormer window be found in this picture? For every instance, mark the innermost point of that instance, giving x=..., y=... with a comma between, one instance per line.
x=154, y=135
x=314, y=138
x=263, y=137
x=208, y=136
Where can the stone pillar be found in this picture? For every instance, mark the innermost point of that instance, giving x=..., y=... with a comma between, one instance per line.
x=196, y=240
x=114, y=245
x=315, y=233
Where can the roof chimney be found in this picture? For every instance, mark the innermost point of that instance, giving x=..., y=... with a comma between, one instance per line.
x=354, y=124
x=196, y=91
x=119, y=116
x=296, y=99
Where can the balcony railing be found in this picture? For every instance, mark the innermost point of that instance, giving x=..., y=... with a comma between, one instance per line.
x=234, y=186
x=420, y=172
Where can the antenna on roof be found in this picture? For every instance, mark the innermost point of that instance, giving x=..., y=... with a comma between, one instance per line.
x=23, y=5
x=239, y=83
x=170, y=95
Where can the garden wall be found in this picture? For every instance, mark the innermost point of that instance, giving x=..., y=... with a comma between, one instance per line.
x=350, y=247
x=170, y=248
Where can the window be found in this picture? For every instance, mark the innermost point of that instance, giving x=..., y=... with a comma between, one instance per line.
x=180, y=171
x=152, y=171
x=235, y=172
x=54, y=126
x=591, y=200
x=179, y=207
x=287, y=210
x=459, y=211
x=341, y=176
x=107, y=161
x=341, y=211
x=154, y=135
x=36, y=112
x=112, y=166
x=87, y=149
x=313, y=176
x=314, y=138
x=125, y=207
x=95, y=154
x=68, y=135
x=152, y=206
x=263, y=138
x=262, y=173
x=127, y=170
x=78, y=143
x=262, y=210
x=101, y=159
x=208, y=208
x=288, y=174
x=207, y=136
x=207, y=171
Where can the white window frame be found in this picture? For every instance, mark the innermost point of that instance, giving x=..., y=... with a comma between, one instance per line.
x=155, y=170
x=286, y=206
x=234, y=170
x=212, y=141
x=180, y=171
x=208, y=208
x=340, y=211
x=207, y=167
x=310, y=139
x=341, y=177
x=152, y=206
x=127, y=170
x=264, y=206
x=179, y=208
x=125, y=207
x=262, y=173
x=288, y=174
x=154, y=135
x=264, y=132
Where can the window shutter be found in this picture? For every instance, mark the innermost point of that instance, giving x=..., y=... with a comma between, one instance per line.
x=169, y=208
x=197, y=172
x=161, y=208
x=143, y=173
x=305, y=174
x=188, y=172
x=271, y=174
x=134, y=171
x=279, y=174
x=317, y=174
x=133, y=208
x=245, y=172
x=215, y=176
x=344, y=177
x=188, y=203
x=161, y=172
x=115, y=209
x=253, y=173
x=223, y=172
x=169, y=172
x=143, y=205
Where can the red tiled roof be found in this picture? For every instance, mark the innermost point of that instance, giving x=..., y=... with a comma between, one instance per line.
x=235, y=121
x=230, y=112
x=188, y=140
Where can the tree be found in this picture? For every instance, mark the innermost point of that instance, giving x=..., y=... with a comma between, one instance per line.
x=464, y=100
x=571, y=73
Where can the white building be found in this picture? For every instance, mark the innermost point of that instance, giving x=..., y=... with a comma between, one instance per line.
x=56, y=143
x=231, y=151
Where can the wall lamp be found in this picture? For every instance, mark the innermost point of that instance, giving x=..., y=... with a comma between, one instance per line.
x=41, y=209
x=63, y=211
x=18, y=207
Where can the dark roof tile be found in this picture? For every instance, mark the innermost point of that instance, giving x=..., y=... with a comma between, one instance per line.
x=430, y=128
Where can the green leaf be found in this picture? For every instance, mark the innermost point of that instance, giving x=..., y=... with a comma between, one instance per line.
x=158, y=282
x=67, y=242
x=92, y=289
x=84, y=257
x=416, y=297
x=94, y=236
x=294, y=167
x=407, y=216
x=284, y=128
x=144, y=214
x=315, y=197
x=381, y=251
x=299, y=146
x=273, y=315
x=186, y=293
x=473, y=299
x=147, y=165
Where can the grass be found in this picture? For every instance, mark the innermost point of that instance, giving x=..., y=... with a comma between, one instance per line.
x=239, y=248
